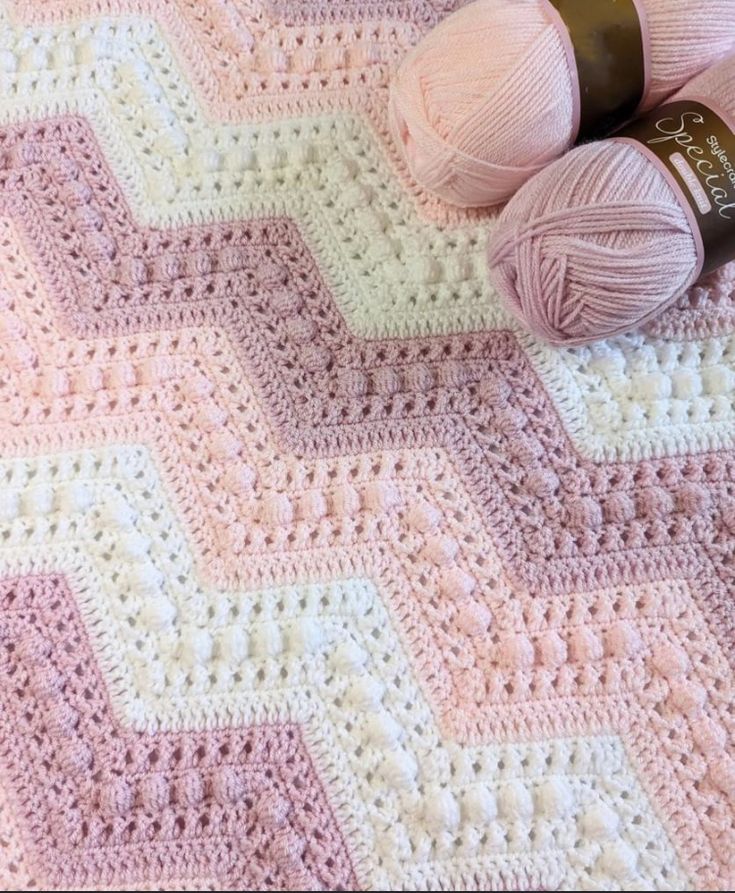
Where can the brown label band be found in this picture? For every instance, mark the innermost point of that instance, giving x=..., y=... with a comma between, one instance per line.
x=609, y=40
x=695, y=147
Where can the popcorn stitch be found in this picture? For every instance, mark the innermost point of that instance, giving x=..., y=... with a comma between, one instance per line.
x=260, y=466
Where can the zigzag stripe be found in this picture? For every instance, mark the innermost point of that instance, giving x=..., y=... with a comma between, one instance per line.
x=617, y=422
x=78, y=788
x=356, y=53
x=393, y=564
x=245, y=68
x=244, y=63
x=381, y=389
x=141, y=625
x=460, y=687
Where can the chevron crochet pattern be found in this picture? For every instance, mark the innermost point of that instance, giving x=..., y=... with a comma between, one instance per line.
x=315, y=571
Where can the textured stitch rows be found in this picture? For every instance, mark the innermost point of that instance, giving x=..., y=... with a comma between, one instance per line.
x=315, y=571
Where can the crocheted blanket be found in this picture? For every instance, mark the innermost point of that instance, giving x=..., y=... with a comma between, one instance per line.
x=315, y=571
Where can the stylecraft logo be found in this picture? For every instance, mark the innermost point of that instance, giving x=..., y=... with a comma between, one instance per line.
x=695, y=153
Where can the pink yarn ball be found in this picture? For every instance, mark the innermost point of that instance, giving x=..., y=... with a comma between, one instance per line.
x=486, y=99
x=598, y=244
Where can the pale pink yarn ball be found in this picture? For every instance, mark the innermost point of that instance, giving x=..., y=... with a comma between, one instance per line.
x=486, y=99
x=598, y=243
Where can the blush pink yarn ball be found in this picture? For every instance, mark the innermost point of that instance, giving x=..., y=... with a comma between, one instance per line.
x=598, y=243
x=486, y=99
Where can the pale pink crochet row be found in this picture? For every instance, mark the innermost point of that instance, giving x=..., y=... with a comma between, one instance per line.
x=436, y=386
x=238, y=81
x=564, y=525
x=536, y=594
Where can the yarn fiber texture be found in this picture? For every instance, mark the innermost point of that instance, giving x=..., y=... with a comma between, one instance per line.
x=486, y=99
x=312, y=575
x=598, y=243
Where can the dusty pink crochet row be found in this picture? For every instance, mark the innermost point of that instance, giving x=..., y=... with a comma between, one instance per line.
x=535, y=595
x=564, y=524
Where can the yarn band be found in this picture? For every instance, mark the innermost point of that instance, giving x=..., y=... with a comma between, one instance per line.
x=693, y=144
x=609, y=56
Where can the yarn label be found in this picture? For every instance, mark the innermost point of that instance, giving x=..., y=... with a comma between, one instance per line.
x=695, y=148
x=609, y=44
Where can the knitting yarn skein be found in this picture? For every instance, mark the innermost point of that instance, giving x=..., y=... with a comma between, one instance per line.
x=487, y=98
x=598, y=243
